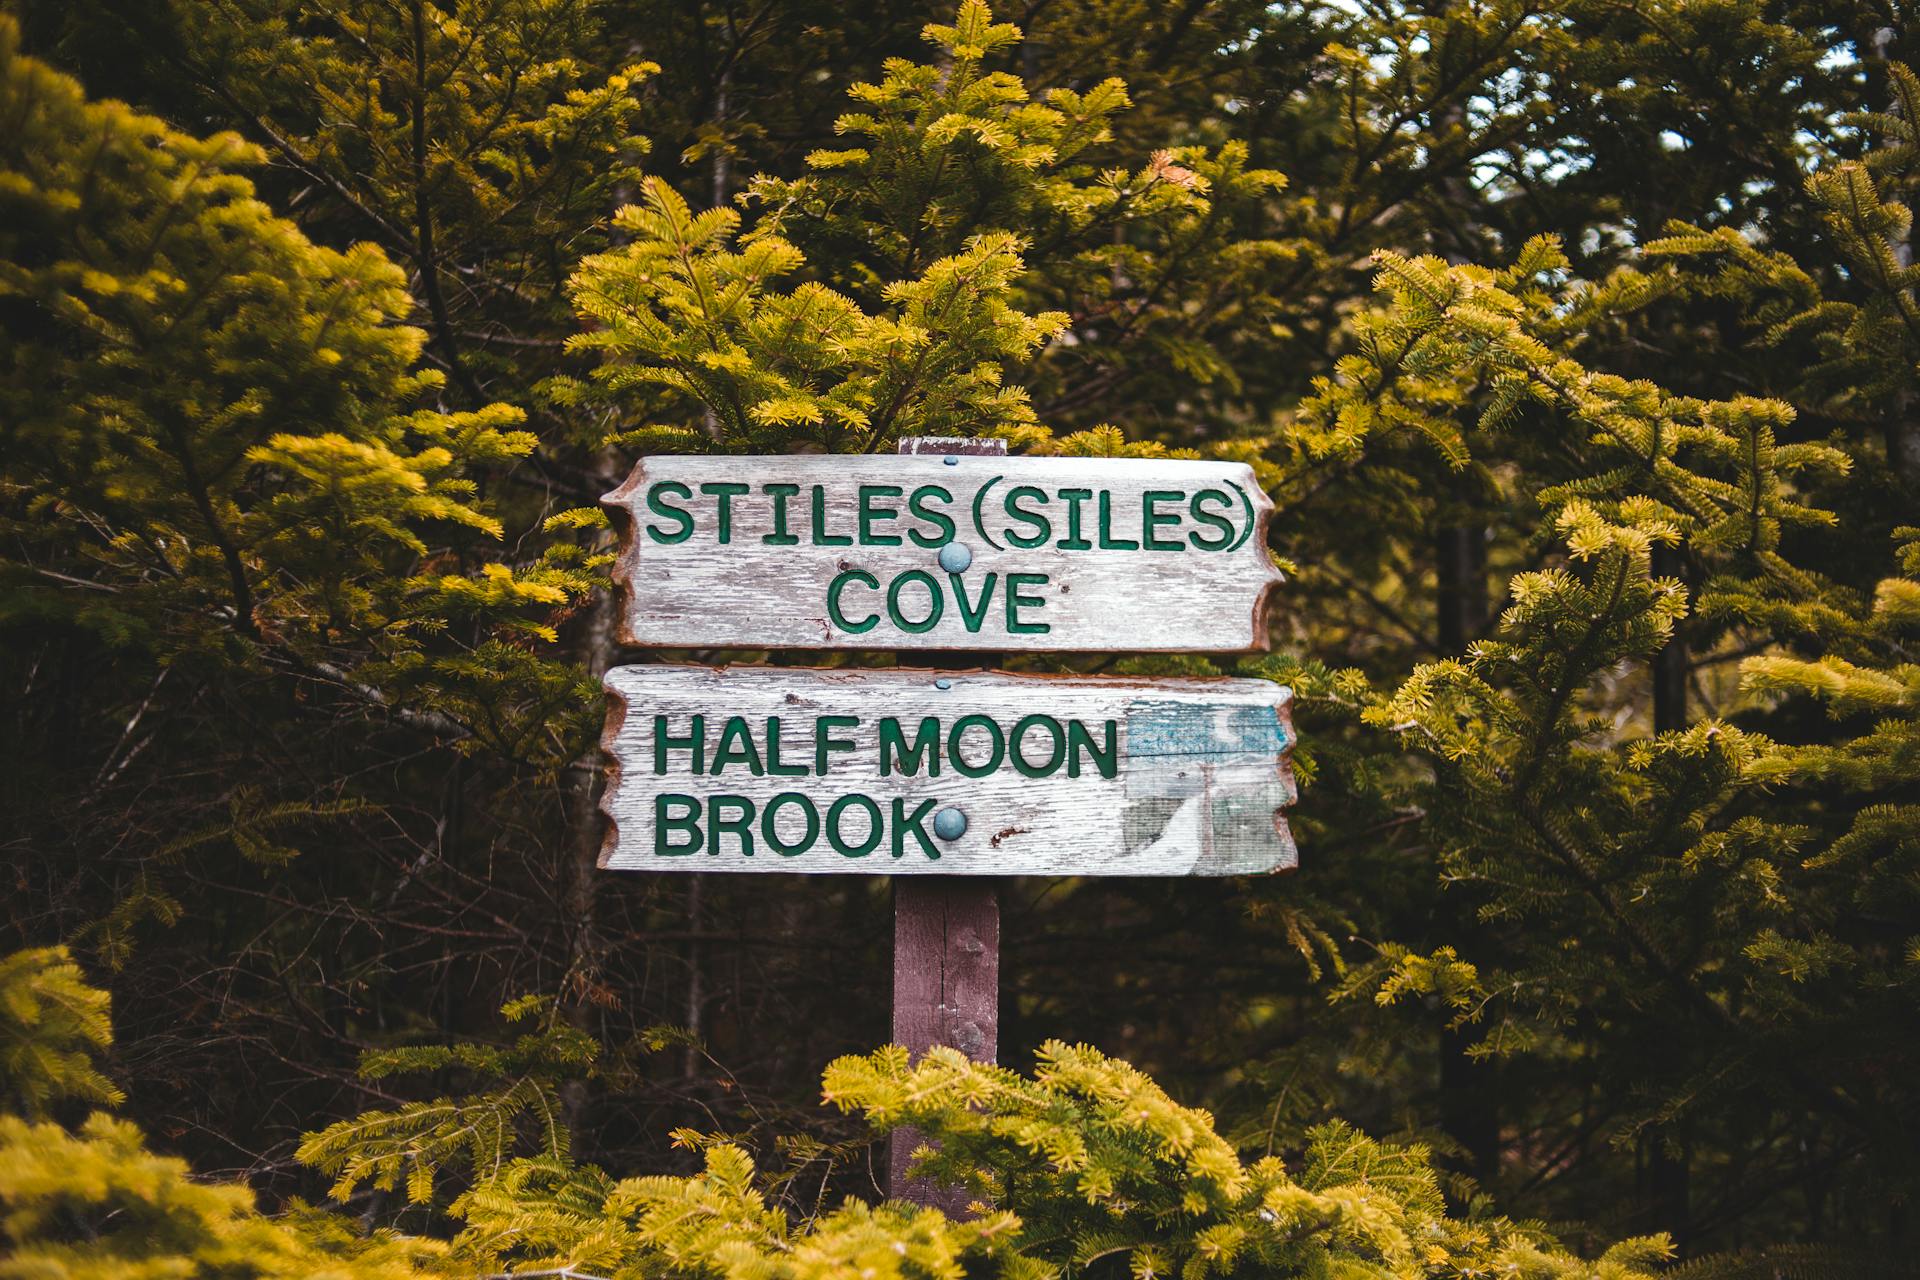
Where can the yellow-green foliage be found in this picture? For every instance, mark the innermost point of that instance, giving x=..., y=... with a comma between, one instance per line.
x=250, y=512
x=1096, y=1161
x=717, y=1223
x=1087, y=1160
x=484, y=112
x=921, y=303
x=680, y=306
x=1618, y=840
x=1852, y=353
x=51, y=1025
x=96, y=1204
x=480, y=1131
x=221, y=427
x=1459, y=346
x=945, y=150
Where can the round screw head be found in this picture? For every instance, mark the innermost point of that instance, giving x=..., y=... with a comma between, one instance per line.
x=952, y=461
x=955, y=557
x=943, y=684
x=950, y=824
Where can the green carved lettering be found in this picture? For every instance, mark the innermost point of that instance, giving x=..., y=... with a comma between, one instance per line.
x=774, y=767
x=780, y=537
x=1042, y=528
x=1058, y=752
x=998, y=739
x=659, y=506
x=1107, y=541
x=871, y=515
x=894, y=747
x=1016, y=601
x=904, y=822
x=1074, y=541
x=736, y=747
x=821, y=538
x=1080, y=742
x=936, y=602
x=838, y=585
x=824, y=743
x=694, y=744
x=665, y=823
x=741, y=826
x=841, y=845
x=725, y=491
x=770, y=832
x=940, y=520
x=1151, y=519
x=1202, y=516
x=971, y=614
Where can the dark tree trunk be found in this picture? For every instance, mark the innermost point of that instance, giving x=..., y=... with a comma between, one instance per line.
x=1469, y=1110
x=585, y=831
x=1665, y=1177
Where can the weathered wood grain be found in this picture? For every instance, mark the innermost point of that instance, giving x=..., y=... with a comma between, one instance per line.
x=946, y=991
x=1113, y=776
x=1127, y=554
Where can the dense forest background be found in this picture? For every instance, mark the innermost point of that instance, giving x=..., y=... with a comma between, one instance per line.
x=1576, y=341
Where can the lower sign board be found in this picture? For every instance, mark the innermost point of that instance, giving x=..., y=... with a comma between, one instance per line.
x=945, y=773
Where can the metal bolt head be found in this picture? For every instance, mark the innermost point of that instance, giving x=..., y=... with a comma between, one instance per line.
x=955, y=557
x=952, y=461
x=943, y=684
x=950, y=823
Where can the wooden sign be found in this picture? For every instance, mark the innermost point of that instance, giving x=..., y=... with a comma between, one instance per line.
x=945, y=773
x=943, y=551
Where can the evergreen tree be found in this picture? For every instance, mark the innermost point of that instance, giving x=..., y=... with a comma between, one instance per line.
x=1575, y=342
x=1623, y=857
x=1088, y=1161
x=229, y=488
x=95, y=1204
x=1094, y=1161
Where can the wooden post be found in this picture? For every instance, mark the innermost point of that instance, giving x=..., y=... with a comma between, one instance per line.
x=946, y=990
x=946, y=955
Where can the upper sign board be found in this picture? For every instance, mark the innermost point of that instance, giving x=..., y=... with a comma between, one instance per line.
x=945, y=773
x=943, y=551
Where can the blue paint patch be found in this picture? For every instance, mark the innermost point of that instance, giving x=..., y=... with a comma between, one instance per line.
x=1184, y=750
x=1235, y=730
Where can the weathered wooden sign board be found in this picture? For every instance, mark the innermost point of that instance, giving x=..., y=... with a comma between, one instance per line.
x=943, y=550
x=945, y=773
